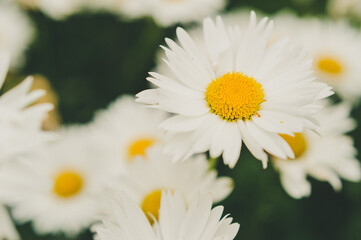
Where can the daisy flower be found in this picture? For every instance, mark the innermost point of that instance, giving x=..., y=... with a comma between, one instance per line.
x=147, y=178
x=177, y=220
x=62, y=187
x=20, y=123
x=129, y=128
x=240, y=89
x=7, y=230
x=335, y=48
x=327, y=155
x=16, y=31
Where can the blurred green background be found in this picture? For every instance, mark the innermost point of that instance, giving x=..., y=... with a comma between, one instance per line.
x=91, y=59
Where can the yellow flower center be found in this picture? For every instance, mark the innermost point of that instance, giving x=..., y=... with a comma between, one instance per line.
x=329, y=65
x=234, y=96
x=139, y=147
x=297, y=143
x=151, y=205
x=68, y=184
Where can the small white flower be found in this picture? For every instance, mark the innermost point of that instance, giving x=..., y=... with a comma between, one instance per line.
x=327, y=155
x=20, y=124
x=335, y=48
x=16, y=32
x=61, y=187
x=177, y=220
x=129, y=128
x=147, y=177
x=237, y=88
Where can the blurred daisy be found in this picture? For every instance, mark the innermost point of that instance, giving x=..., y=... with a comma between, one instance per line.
x=239, y=89
x=16, y=32
x=147, y=178
x=327, y=156
x=169, y=12
x=20, y=123
x=335, y=48
x=177, y=220
x=7, y=229
x=341, y=8
x=61, y=188
x=129, y=128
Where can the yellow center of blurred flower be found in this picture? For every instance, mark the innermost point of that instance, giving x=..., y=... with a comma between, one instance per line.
x=329, y=65
x=139, y=147
x=297, y=143
x=234, y=96
x=68, y=184
x=151, y=205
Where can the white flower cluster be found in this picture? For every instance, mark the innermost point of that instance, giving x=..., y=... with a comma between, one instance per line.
x=231, y=82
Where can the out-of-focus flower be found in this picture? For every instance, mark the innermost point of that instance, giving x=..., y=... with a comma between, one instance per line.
x=16, y=32
x=55, y=9
x=341, y=8
x=335, y=48
x=129, y=128
x=52, y=120
x=20, y=124
x=164, y=12
x=327, y=155
x=62, y=187
x=177, y=220
x=240, y=89
x=148, y=177
x=7, y=229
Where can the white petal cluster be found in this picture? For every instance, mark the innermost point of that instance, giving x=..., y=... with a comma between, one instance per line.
x=20, y=123
x=157, y=172
x=176, y=221
x=283, y=70
x=330, y=154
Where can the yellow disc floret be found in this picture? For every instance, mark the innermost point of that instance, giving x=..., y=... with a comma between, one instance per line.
x=234, y=96
x=329, y=65
x=297, y=143
x=151, y=205
x=139, y=147
x=68, y=184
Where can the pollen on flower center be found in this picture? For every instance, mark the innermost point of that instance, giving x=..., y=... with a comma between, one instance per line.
x=139, y=147
x=234, y=96
x=67, y=184
x=329, y=65
x=297, y=143
x=151, y=205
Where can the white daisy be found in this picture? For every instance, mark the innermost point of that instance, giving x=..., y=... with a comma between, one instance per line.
x=7, y=229
x=340, y=8
x=327, y=156
x=20, y=124
x=169, y=12
x=177, y=220
x=335, y=48
x=148, y=177
x=61, y=187
x=129, y=128
x=239, y=89
x=16, y=32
